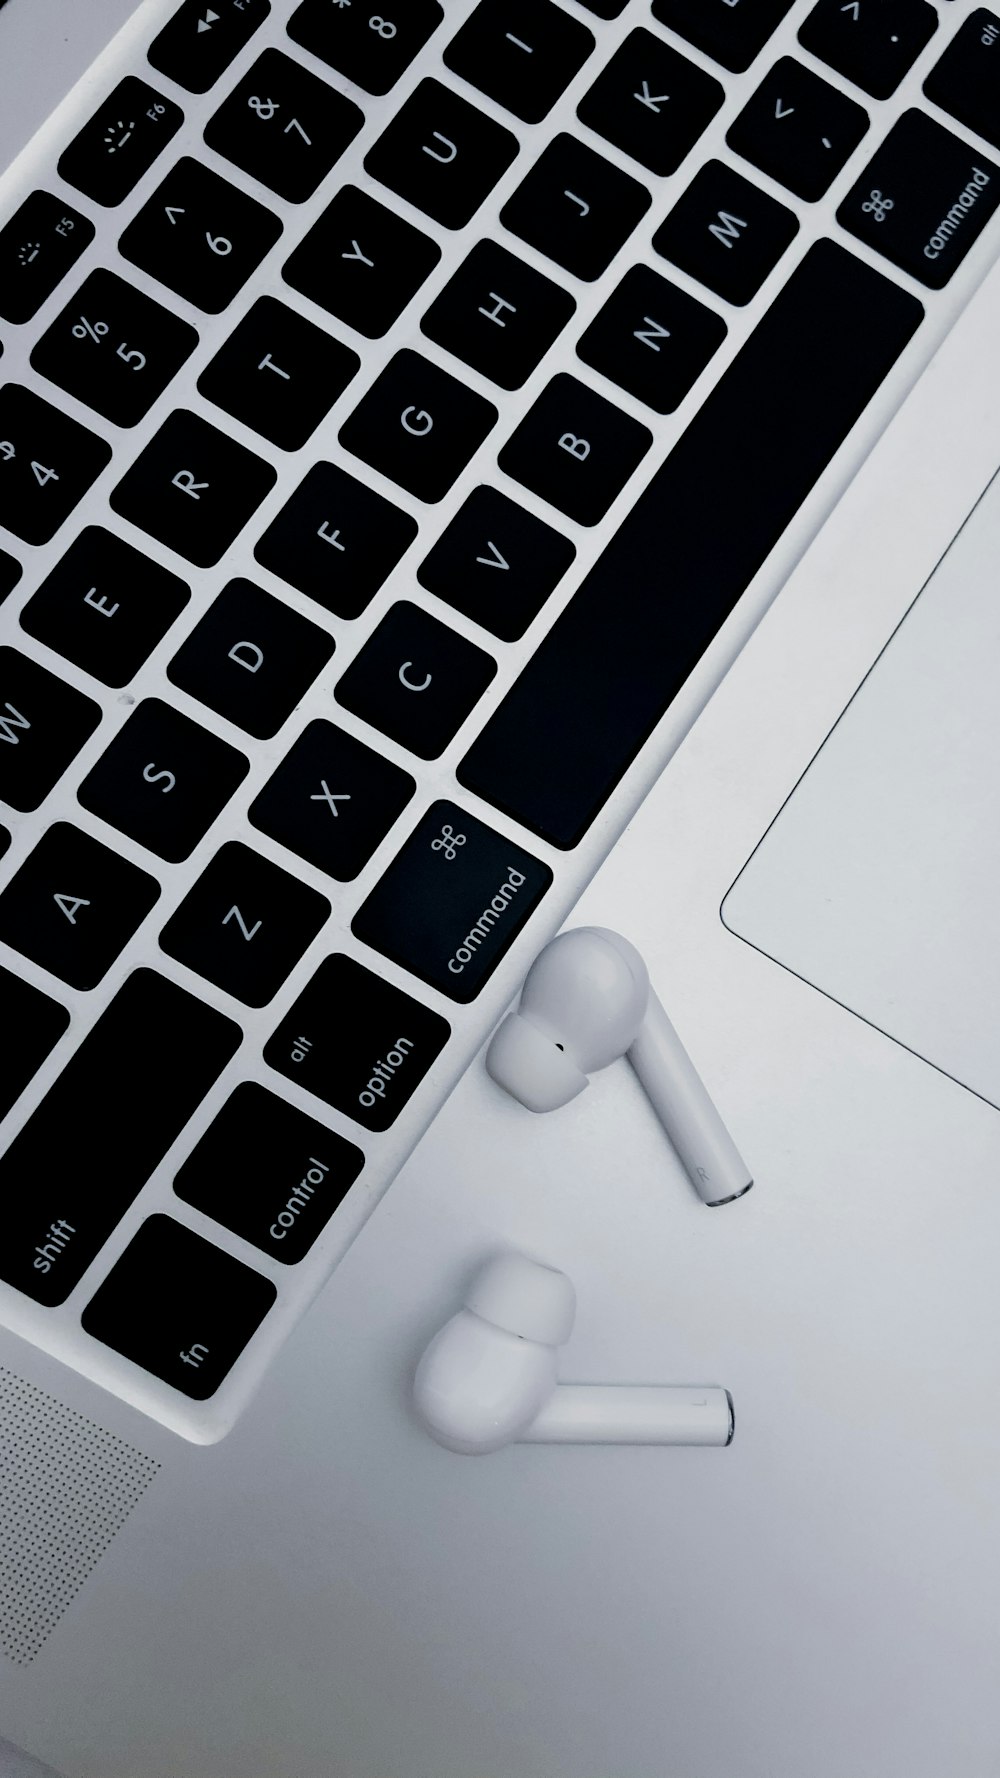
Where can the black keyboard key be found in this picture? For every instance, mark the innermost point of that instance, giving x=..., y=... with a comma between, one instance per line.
x=575, y=449
x=522, y=53
x=269, y=1173
x=114, y=348
x=43, y=724
x=200, y=41
x=418, y=425
x=966, y=81
x=496, y=563
x=798, y=128
x=38, y=246
x=575, y=207
x=361, y=263
x=38, y=1022
x=652, y=339
x=193, y=488
x=731, y=33
x=358, y=1043
x=441, y=154
x=452, y=902
x=872, y=45
x=726, y=233
x=336, y=540
x=111, y=1091
x=163, y=780
x=121, y=142
x=415, y=680
x=105, y=606
x=284, y=126
x=498, y=314
x=651, y=102
x=74, y=905
x=368, y=48
x=332, y=800
x=200, y=236
x=251, y=658
x=47, y=463
x=245, y=924
x=593, y=691
x=190, y=1337
x=924, y=199
x=10, y=574
x=278, y=373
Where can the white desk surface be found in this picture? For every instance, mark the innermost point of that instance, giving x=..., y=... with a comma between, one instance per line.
x=820, y=1601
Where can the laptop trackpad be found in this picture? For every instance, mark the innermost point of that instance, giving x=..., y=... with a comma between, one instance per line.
x=879, y=880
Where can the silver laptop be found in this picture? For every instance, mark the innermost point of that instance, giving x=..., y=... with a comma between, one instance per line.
x=407, y=420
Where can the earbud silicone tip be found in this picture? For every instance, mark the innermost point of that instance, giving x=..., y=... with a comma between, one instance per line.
x=525, y=1298
x=531, y=1067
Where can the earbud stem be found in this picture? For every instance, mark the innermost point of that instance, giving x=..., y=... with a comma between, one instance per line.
x=678, y=1096
x=587, y=1414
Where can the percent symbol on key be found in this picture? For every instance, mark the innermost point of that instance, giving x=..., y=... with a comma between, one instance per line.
x=85, y=329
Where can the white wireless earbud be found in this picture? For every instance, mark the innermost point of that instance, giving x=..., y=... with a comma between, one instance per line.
x=489, y=1377
x=587, y=1001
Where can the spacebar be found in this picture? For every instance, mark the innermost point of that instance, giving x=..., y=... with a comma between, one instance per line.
x=620, y=652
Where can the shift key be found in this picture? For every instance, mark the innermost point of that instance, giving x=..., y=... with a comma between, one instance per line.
x=89, y=1147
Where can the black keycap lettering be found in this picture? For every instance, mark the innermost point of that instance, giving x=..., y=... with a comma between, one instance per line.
x=498, y=314
x=269, y=1173
x=872, y=45
x=193, y=488
x=105, y=606
x=245, y=924
x=163, y=780
x=43, y=724
x=726, y=233
x=523, y=53
x=651, y=102
x=575, y=449
x=441, y=154
x=200, y=236
x=366, y=47
x=34, y=1024
x=652, y=339
x=251, y=658
x=47, y=463
x=284, y=126
x=191, y=1337
x=336, y=540
x=38, y=246
x=332, y=800
x=279, y=373
x=114, y=348
x=121, y=141
x=200, y=41
x=418, y=425
x=361, y=263
x=966, y=81
x=415, y=680
x=357, y=1042
x=593, y=691
x=496, y=563
x=152, y=1033
x=798, y=128
x=924, y=199
x=74, y=905
x=575, y=207
x=452, y=902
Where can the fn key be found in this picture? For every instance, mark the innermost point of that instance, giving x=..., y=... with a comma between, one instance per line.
x=179, y=1307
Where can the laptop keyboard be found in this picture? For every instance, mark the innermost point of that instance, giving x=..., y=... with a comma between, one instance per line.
x=393, y=409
